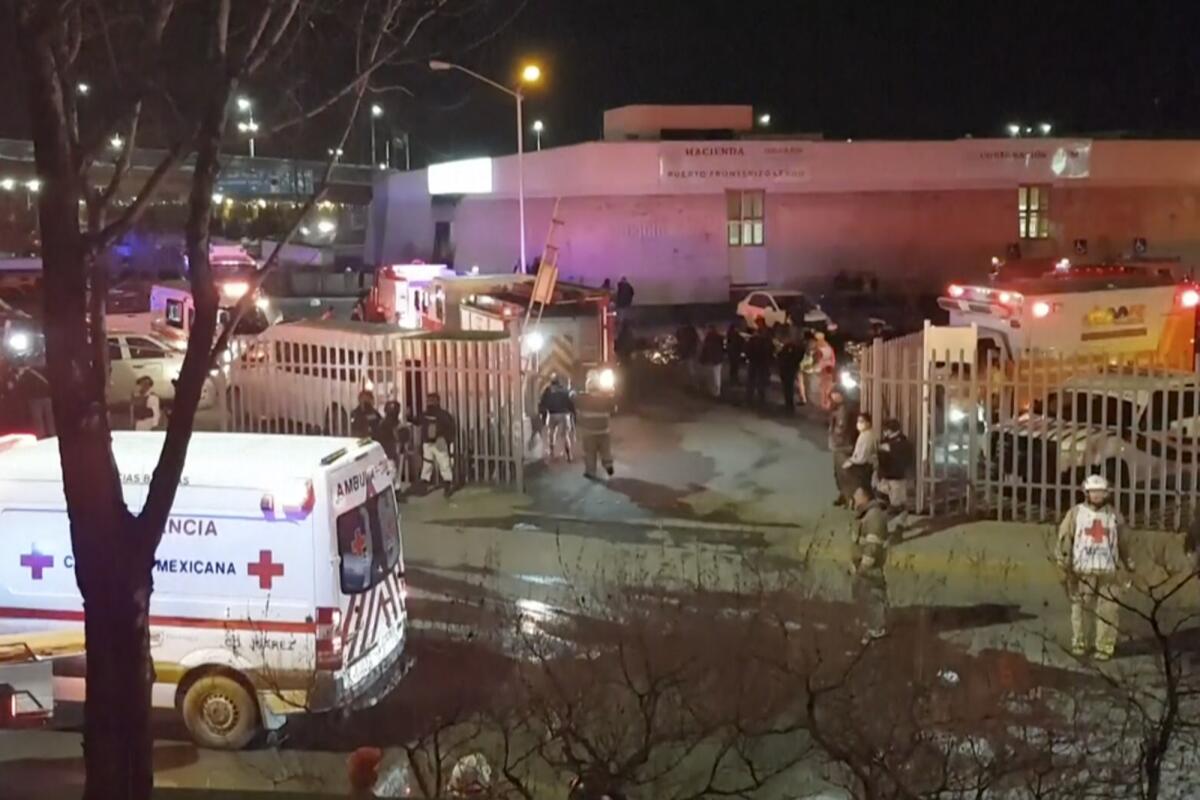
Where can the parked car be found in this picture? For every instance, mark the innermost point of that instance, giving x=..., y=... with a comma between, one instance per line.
x=786, y=306
x=133, y=354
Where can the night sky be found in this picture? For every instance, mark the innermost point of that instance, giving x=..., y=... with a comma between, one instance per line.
x=883, y=69
x=844, y=68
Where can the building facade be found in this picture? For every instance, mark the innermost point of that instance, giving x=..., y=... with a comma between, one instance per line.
x=693, y=221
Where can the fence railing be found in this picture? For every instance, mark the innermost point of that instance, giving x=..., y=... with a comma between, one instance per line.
x=1015, y=438
x=283, y=384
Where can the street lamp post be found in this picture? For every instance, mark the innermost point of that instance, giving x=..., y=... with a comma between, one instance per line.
x=531, y=73
x=249, y=127
x=538, y=127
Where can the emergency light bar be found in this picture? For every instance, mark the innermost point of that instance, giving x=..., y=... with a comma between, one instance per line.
x=303, y=500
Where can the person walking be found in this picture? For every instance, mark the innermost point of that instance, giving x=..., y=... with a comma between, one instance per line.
x=437, y=432
x=860, y=467
x=1092, y=546
x=787, y=361
x=808, y=368
x=365, y=419
x=895, y=462
x=145, y=407
x=712, y=359
x=593, y=414
x=760, y=353
x=868, y=556
x=735, y=345
x=558, y=409
x=842, y=438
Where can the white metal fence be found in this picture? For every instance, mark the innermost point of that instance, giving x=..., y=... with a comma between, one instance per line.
x=1014, y=439
x=297, y=382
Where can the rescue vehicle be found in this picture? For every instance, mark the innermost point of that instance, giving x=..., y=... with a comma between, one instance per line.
x=278, y=585
x=404, y=292
x=1060, y=307
x=173, y=311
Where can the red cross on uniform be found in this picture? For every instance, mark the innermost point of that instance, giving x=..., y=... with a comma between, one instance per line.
x=1097, y=532
x=264, y=569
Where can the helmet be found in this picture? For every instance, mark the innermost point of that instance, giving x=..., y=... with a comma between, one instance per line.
x=1095, y=483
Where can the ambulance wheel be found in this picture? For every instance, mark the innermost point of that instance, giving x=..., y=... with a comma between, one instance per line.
x=220, y=712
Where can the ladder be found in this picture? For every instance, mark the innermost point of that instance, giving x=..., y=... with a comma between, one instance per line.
x=547, y=274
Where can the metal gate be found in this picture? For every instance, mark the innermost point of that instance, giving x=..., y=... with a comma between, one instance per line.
x=1014, y=438
x=307, y=380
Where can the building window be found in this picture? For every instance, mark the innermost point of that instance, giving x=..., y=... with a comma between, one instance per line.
x=1033, y=212
x=744, y=217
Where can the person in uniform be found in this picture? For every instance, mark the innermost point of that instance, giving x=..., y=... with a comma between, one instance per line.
x=1092, y=547
x=868, y=556
x=145, y=406
x=437, y=431
x=593, y=412
x=557, y=409
x=365, y=419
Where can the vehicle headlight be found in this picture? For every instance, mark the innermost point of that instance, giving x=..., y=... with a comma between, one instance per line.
x=848, y=380
x=234, y=289
x=605, y=379
x=19, y=342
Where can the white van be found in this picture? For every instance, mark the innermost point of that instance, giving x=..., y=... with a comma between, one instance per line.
x=279, y=581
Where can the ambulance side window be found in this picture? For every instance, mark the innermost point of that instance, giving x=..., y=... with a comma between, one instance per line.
x=1168, y=409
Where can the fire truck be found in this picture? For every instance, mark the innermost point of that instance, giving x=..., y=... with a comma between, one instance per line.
x=1086, y=309
x=403, y=293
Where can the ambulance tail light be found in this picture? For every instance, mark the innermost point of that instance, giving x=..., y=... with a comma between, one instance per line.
x=1189, y=298
x=954, y=290
x=329, y=638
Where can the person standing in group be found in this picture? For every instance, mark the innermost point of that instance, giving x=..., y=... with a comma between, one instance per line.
x=841, y=443
x=860, y=467
x=1092, y=546
x=146, y=407
x=826, y=367
x=32, y=385
x=687, y=343
x=760, y=353
x=437, y=432
x=735, y=345
x=624, y=295
x=808, y=369
x=788, y=362
x=387, y=433
x=868, y=556
x=364, y=419
x=593, y=415
x=557, y=409
x=712, y=359
x=895, y=461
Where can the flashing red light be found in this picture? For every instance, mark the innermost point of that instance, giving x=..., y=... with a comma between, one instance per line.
x=1041, y=309
x=1190, y=298
x=954, y=290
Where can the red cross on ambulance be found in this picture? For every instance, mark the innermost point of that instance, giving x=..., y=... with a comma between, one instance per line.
x=264, y=569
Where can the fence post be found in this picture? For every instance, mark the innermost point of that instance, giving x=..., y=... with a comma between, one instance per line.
x=517, y=382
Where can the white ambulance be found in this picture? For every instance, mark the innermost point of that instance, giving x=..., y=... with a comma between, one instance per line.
x=278, y=585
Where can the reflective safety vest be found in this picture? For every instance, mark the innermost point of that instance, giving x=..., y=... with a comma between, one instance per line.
x=592, y=413
x=1095, y=546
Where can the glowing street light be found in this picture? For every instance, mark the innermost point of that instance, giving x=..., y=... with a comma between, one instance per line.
x=764, y=119
x=376, y=110
x=1014, y=129
x=376, y=113
x=538, y=127
x=33, y=185
x=8, y=184
x=218, y=198
x=1045, y=128
x=249, y=127
x=82, y=89
x=530, y=73
x=116, y=142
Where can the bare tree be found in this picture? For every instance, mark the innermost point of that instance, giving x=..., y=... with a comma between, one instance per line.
x=162, y=71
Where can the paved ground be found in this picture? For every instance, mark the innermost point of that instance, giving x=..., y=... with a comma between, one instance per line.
x=702, y=490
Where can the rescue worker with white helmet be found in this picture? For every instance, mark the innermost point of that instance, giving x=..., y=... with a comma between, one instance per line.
x=1092, y=547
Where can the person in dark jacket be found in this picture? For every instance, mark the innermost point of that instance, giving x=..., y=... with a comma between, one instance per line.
x=895, y=461
x=624, y=293
x=843, y=433
x=388, y=431
x=558, y=410
x=868, y=556
x=787, y=360
x=712, y=359
x=437, y=432
x=760, y=352
x=735, y=345
x=687, y=342
x=365, y=419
